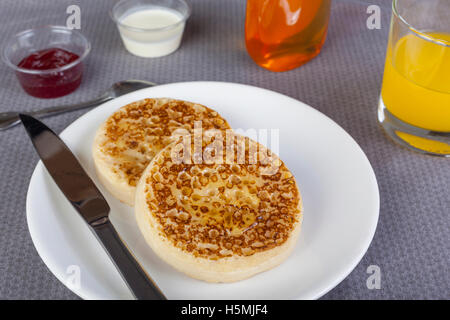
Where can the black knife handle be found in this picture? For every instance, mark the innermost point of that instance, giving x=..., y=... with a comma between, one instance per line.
x=135, y=277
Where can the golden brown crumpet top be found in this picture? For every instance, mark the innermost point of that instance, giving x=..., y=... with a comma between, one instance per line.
x=133, y=135
x=246, y=202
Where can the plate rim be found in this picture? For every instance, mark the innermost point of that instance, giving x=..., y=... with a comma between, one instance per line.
x=314, y=294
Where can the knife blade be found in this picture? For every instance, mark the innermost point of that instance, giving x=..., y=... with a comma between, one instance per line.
x=80, y=190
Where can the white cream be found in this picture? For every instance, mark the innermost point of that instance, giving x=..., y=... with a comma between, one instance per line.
x=152, y=32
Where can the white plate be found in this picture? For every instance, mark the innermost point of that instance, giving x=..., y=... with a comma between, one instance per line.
x=338, y=185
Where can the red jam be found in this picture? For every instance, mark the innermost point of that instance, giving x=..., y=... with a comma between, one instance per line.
x=50, y=84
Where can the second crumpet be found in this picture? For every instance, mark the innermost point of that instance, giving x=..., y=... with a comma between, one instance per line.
x=219, y=209
x=131, y=137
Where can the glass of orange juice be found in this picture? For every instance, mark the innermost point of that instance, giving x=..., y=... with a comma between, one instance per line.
x=284, y=34
x=414, y=106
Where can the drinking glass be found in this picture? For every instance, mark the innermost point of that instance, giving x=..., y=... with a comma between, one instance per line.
x=414, y=105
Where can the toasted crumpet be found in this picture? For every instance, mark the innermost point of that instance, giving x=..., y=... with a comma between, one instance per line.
x=219, y=209
x=129, y=139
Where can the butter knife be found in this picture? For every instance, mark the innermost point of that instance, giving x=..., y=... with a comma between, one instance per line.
x=84, y=196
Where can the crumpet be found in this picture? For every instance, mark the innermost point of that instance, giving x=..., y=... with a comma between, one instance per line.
x=219, y=209
x=129, y=139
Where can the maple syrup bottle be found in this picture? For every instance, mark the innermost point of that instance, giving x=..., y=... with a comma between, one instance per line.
x=284, y=34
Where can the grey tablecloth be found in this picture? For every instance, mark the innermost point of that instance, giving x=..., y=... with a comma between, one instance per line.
x=411, y=245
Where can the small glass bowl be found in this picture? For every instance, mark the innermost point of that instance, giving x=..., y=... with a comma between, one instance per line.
x=151, y=42
x=50, y=83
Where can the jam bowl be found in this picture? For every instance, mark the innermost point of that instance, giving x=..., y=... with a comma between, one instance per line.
x=47, y=60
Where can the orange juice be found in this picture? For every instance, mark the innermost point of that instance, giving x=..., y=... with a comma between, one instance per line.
x=282, y=35
x=416, y=85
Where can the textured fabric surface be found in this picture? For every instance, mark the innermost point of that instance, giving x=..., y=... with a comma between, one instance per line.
x=411, y=245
